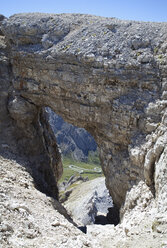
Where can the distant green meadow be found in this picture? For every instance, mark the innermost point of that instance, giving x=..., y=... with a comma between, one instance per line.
x=90, y=169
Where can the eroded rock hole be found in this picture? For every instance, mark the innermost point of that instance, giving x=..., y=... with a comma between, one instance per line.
x=82, y=187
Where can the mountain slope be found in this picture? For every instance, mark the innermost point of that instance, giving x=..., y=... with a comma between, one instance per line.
x=73, y=141
x=28, y=218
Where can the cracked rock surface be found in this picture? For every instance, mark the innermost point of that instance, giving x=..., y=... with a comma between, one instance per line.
x=105, y=75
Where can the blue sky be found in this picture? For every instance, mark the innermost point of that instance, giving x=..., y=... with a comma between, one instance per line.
x=144, y=10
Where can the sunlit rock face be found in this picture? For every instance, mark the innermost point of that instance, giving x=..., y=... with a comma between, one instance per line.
x=72, y=141
x=105, y=75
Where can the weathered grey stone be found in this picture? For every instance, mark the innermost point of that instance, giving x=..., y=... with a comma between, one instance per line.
x=21, y=131
x=2, y=17
x=88, y=200
x=102, y=74
x=29, y=218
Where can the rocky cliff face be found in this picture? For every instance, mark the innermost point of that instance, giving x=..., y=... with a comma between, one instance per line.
x=24, y=129
x=73, y=141
x=103, y=74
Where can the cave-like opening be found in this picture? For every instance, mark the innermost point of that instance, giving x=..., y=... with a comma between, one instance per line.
x=82, y=166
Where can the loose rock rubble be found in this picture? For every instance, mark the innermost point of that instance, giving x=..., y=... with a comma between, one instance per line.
x=28, y=217
x=89, y=200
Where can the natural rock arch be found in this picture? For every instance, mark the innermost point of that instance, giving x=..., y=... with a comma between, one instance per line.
x=102, y=74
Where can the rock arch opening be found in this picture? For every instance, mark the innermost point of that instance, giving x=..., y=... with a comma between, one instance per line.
x=73, y=141
x=105, y=75
x=96, y=76
x=82, y=175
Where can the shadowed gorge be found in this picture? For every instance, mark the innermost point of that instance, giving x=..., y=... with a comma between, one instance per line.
x=105, y=75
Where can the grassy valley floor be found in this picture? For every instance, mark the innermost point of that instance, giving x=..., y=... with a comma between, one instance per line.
x=90, y=169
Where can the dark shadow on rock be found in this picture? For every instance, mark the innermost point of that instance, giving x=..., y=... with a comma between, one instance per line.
x=113, y=215
x=39, y=174
x=83, y=229
x=101, y=220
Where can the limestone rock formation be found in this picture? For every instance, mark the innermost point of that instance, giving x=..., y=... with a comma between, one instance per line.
x=105, y=75
x=88, y=200
x=24, y=129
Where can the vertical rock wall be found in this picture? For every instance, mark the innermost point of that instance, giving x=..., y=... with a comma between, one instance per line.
x=25, y=130
x=5, y=85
